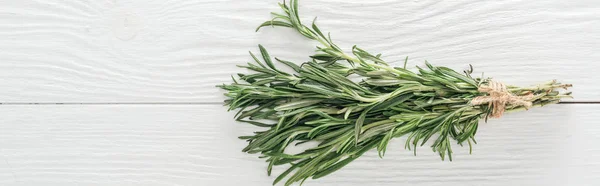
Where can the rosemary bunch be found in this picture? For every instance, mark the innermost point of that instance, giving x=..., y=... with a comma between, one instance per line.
x=318, y=102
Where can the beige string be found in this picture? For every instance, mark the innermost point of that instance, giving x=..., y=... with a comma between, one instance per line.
x=498, y=97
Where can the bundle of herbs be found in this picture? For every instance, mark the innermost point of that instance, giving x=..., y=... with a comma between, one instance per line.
x=318, y=102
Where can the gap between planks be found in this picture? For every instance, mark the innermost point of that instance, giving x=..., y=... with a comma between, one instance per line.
x=191, y=103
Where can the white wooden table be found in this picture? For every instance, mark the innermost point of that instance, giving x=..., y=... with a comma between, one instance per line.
x=121, y=92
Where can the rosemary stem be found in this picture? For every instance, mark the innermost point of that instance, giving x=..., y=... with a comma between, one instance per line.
x=534, y=105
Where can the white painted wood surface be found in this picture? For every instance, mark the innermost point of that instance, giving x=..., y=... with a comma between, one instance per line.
x=176, y=51
x=99, y=52
x=197, y=145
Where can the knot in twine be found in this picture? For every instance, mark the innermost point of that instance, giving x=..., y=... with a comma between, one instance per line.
x=499, y=97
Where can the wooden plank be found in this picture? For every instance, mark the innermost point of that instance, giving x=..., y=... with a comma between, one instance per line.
x=176, y=51
x=197, y=145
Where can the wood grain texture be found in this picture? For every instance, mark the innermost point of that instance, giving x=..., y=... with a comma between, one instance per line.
x=112, y=51
x=197, y=145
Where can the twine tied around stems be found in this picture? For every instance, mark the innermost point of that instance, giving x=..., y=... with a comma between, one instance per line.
x=498, y=97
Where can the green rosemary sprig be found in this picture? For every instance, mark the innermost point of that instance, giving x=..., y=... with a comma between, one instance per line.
x=318, y=102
